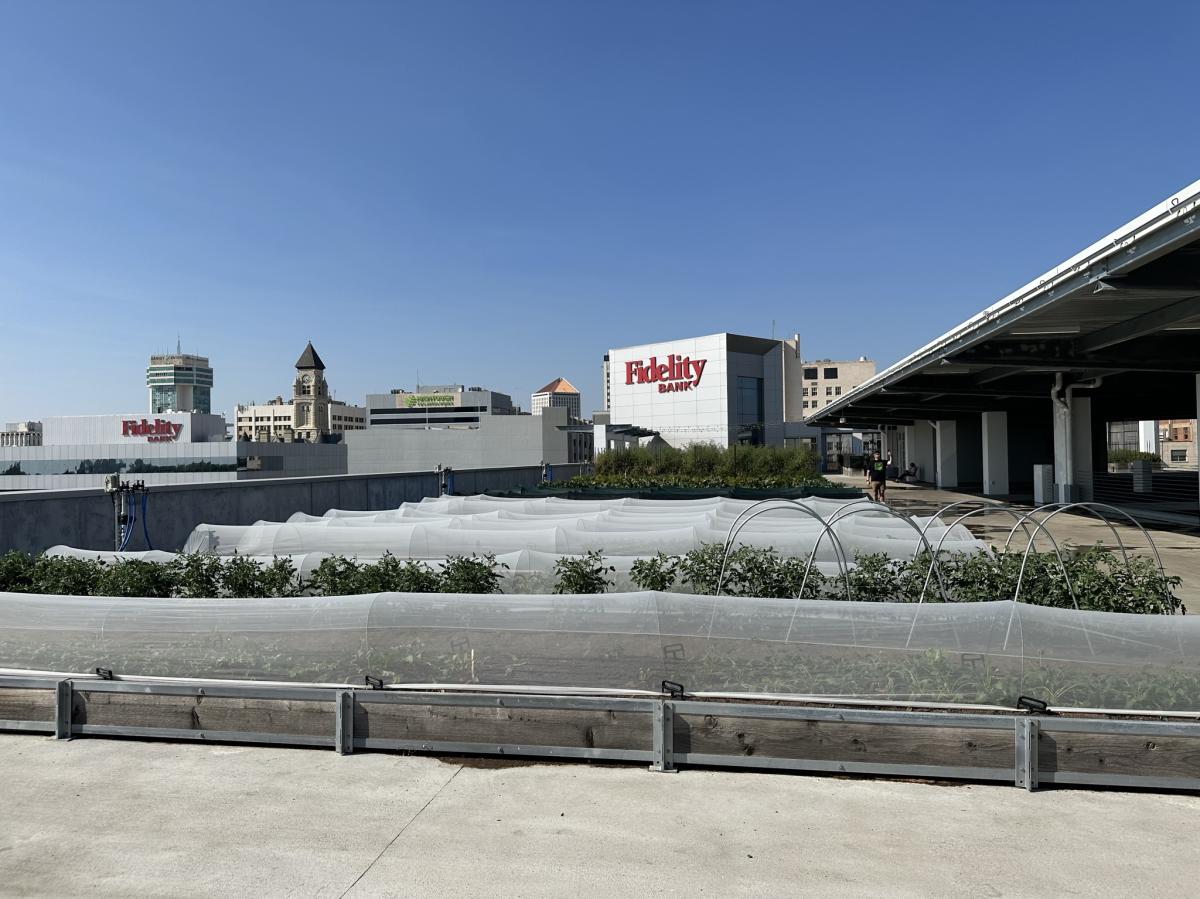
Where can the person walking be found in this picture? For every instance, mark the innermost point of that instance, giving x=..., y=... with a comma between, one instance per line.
x=877, y=475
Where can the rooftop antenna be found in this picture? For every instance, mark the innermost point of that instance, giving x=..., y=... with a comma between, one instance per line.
x=772, y=329
x=178, y=351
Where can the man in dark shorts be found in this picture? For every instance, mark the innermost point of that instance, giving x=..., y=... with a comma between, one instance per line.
x=877, y=474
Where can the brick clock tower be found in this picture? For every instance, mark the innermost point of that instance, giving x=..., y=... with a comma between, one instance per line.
x=310, y=397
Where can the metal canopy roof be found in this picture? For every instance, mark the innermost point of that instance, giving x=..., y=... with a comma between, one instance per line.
x=1127, y=308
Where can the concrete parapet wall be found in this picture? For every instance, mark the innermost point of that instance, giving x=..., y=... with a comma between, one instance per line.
x=35, y=520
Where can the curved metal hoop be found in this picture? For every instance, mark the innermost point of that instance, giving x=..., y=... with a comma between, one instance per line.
x=846, y=512
x=1093, y=507
x=743, y=519
x=990, y=505
x=998, y=507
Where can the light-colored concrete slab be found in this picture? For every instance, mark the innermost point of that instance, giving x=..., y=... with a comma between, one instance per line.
x=124, y=818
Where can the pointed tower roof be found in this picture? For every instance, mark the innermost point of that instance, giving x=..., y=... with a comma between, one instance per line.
x=559, y=385
x=310, y=359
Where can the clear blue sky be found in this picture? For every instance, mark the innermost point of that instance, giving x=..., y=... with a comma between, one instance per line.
x=497, y=192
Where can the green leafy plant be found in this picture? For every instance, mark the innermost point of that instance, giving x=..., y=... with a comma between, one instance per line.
x=279, y=578
x=472, y=574
x=197, y=575
x=657, y=572
x=336, y=576
x=392, y=574
x=17, y=572
x=583, y=574
x=132, y=577
x=705, y=465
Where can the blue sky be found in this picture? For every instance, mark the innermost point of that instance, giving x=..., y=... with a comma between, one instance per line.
x=495, y=193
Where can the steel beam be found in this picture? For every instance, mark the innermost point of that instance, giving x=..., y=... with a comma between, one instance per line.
x=1141, y=326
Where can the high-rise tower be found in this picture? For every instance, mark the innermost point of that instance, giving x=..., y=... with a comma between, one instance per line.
x=179, y=382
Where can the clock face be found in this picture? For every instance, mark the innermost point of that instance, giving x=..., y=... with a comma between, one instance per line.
x=307, y=379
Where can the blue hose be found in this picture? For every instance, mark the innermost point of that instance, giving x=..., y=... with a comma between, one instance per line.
x=145, y=527
x=128, y=528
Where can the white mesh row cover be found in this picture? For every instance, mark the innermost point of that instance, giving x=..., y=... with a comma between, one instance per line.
x=958, y=653
x=618, y=527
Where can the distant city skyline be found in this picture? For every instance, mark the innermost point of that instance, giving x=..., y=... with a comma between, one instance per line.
x=496, y=194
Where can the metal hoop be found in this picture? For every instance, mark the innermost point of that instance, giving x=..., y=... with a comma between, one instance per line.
x=826, y=527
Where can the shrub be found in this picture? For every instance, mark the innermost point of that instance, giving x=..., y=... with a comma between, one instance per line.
x=471, y=574
x=133, y=577
x=336, y=576
x=583, y=574
x=66, y=576
x=1125, y=456
x=657, y=572
x=392, y=574
x=706, y=465
x=17, y=572
x=197, y=575
x=279, y=578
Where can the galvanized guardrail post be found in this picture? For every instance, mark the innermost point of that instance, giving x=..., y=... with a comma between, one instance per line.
x=343, y=727
x=1025, y=773
x=64, y=697
x=664, y=737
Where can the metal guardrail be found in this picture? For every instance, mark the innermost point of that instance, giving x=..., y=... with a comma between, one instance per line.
x=1022, y=748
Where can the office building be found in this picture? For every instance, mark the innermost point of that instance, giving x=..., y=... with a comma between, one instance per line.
x=824, y=380
x=559, y=392
x=440, y=406
x=179, y=382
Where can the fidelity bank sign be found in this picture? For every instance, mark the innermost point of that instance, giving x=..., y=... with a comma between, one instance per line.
x=676, y=373
x=157, y=431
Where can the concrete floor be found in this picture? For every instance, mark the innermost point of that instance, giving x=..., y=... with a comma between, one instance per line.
x=122, y=818
x=1178, y=547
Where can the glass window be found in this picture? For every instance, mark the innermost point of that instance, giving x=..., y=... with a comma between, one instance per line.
x=831, y=374
x=1178, y=455
x=837, y=391
x=749, y=409
x=810, y=374
x=829, y=391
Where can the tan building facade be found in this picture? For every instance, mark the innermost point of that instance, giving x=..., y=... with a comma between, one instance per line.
x=311, y=415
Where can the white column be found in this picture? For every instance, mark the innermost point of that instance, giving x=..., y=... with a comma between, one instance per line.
x=995, y=453
x=1063, y=474
x=1073, y=469
x=1148, y=431
x=947, y=454
x=920, y=450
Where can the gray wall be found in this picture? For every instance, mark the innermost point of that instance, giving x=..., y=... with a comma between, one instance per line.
x=500, y=441
x=38, y=519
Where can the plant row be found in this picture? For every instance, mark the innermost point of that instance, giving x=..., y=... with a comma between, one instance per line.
x=705, y=465
x=1094, y=579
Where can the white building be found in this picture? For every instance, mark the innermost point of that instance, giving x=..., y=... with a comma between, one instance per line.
x=721, y=388
x=169, y=448
x=312, y=414
x=437, y=406
x=559, y=392
x=179, y=382
x=21, y=433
